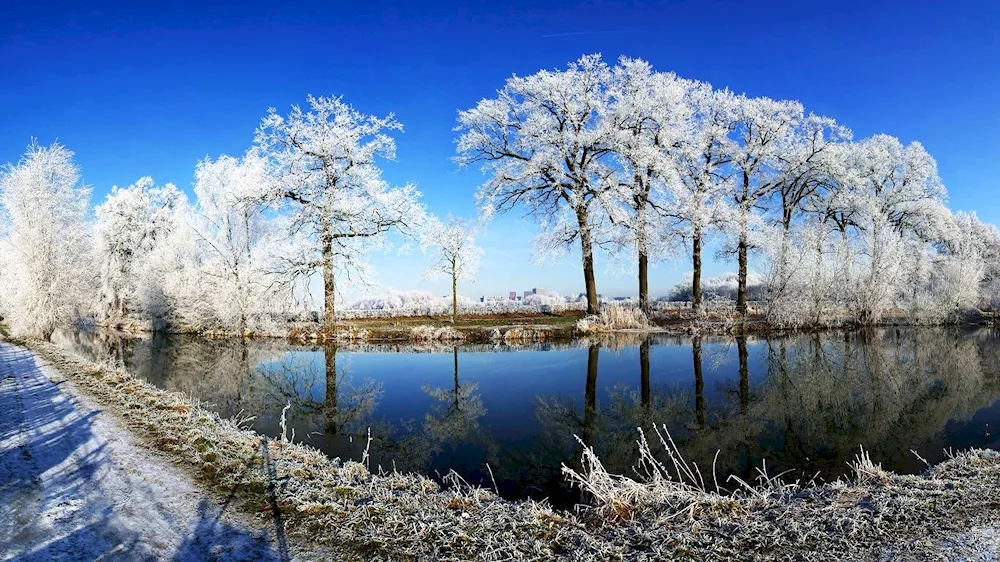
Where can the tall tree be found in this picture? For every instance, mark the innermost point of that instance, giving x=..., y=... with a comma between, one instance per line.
x=702, y=162
x=647, y=118
x=544, y=142
x=762, y=133
x=45, y=272
x=325, y=165
x=896, y=195
x=454, y=253
x=808, y=168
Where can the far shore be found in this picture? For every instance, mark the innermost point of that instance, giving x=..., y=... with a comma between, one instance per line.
x=543, y=326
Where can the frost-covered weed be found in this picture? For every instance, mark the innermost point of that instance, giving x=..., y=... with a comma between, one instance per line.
x=431, y=333
x=614, y=318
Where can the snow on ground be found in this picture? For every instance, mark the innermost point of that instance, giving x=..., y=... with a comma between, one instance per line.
x=74, y=485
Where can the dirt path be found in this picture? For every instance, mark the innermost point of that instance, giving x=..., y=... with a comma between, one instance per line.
x=74, y=485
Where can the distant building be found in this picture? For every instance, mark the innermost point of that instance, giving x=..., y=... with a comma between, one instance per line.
x=513, y=295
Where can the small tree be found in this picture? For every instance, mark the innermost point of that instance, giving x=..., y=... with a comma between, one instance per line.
x=452, y=244
x=45, y=252
x=325, y=166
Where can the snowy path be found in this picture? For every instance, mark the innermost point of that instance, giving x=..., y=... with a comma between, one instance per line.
x=75, y=486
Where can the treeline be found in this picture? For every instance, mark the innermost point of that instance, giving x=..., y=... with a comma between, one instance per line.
x=645, y=165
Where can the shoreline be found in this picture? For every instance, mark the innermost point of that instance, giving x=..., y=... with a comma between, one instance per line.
x=344, y=506
x=541, y=327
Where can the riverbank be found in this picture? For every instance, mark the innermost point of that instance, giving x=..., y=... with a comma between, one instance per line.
x=392, y=516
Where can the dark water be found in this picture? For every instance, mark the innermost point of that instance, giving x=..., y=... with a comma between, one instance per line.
x=802, y=403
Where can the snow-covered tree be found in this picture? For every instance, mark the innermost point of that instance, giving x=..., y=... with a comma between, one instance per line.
x=969, y=254
x=701, y=160
x=324, y=164
x=45, y=275
x=131, y=223
x=452, y=245
x=236, y=237
x=763, y=132
x=544, y=142
x=808, y=166
x=898, y=205
x=648, y=116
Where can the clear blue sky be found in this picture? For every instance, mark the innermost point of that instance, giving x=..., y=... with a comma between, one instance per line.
x=149, y=90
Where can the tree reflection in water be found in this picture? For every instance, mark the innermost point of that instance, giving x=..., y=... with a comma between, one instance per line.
x=455, y=415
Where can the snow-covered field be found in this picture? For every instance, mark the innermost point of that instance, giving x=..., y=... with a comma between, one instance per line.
x=76, y=486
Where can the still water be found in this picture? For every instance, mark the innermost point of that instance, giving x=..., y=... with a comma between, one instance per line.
x=803, y=403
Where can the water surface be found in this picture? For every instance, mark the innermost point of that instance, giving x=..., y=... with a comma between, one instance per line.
x=803, y=403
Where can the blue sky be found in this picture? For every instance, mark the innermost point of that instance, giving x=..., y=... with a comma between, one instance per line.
x=137, y=90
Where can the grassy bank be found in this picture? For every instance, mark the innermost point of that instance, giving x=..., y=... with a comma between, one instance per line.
x=673, y=511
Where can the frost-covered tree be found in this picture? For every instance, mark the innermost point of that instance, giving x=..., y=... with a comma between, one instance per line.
x=237, y=239
x=763, y=132
x=325, y=167
x=969, y=254
x=808, y=167
x=898, y=205
x=702, y=160
x=131, y=223
x=452, y=245
x=647, y=120
x=544, y=142
x=45, y=276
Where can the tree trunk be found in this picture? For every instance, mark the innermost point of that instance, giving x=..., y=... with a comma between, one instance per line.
x=587, y=248
x=819, y=289
x=644, y=281
x=741, y=291
x=643, y=251
x=454, y=294
x=696, y=274
x=329, y=289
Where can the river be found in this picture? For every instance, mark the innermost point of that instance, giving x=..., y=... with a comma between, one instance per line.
x=800, y=403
